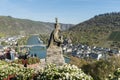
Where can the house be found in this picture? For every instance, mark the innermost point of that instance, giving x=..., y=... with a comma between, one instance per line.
x=69, y=50
x=95, y=56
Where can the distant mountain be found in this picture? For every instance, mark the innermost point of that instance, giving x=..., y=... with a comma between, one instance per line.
x=97, y=30
x=13, y=26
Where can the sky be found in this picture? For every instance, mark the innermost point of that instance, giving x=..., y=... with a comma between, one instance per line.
x=67, y=11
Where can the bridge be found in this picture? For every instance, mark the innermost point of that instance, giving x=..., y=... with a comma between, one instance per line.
x=32, y=45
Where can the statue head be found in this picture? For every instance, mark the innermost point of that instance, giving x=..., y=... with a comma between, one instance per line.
x=57, y=26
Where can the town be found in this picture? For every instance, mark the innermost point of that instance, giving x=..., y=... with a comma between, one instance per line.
x=79, y=50
x=7, y=47
x=85, y=51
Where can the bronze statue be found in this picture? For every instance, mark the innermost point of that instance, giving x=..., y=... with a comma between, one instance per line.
x=55, y=39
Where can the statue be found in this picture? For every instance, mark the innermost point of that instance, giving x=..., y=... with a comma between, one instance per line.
x=55, y=39
x=54, y=51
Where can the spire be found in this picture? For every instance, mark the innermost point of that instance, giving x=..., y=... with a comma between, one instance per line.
x=56, y=24
x=56, y=19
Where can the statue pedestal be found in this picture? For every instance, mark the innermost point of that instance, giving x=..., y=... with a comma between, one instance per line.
x=55, y=56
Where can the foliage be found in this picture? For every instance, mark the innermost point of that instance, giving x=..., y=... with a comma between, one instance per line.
x=65, y=72
x=22, y=41
x=89, y=36
x=96, y=30
x=109, y=21
x=50, y=72
x=4, y=43
x=98, y=68
x=21, y=73
x=44, y=38
x=77, y=61
x=116, y=75
x=31, y=60
x=114, y=36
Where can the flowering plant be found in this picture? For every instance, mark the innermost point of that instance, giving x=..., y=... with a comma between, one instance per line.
x=50, y=72
x=65, y=72
x=29, y=61
x=10, y=69
x=116, y=75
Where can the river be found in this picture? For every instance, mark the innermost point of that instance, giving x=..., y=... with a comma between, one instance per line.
x=40, y=49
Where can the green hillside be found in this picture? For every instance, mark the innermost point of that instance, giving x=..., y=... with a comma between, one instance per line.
x=96, y=30
x=13, y=26
x=109, y=21
x=114, y=36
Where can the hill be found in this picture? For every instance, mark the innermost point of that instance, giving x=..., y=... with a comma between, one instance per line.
x=108, y=20
x=96, y=30
x=114, y=36
x=13, y=26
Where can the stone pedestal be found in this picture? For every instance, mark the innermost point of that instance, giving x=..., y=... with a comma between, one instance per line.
x=55, y=56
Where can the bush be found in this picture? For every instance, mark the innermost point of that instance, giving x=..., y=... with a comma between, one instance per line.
x=50, y=72
x=116, y=75
x=31, y=60
x=77, y=61
x=15, y=70
x=100, y=70
x=65, y=72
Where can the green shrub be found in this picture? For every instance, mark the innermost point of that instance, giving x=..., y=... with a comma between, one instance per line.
x=31, y=60
x=100, y=70
x=20, y=72
x=65, y=72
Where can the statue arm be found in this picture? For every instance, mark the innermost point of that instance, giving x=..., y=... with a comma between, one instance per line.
x=57, y=39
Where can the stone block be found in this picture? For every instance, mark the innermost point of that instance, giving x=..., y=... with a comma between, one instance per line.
x=55, y=56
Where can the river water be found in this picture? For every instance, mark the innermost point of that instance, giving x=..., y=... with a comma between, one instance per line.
x=39, y=50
